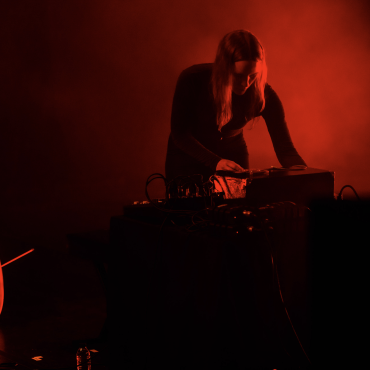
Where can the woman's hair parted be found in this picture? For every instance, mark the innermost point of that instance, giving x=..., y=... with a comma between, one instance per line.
x=236, y=46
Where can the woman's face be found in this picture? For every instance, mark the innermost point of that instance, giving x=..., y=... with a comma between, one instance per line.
x=244, y=74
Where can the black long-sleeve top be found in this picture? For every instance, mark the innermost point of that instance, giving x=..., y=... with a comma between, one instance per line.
x=196, y=145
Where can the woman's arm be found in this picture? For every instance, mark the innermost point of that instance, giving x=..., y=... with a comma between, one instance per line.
x=274, y=117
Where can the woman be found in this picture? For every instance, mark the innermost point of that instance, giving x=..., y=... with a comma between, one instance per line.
x=213, y=102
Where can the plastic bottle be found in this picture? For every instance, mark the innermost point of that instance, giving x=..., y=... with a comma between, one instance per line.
x=83, y=358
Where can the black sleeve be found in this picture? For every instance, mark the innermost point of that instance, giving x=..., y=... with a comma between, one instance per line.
x=274, y=117
x=183, y=117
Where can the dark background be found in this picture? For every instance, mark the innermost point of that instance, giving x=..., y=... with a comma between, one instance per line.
x=86, y=90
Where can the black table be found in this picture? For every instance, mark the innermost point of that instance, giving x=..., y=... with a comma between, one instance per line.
x=205, y=300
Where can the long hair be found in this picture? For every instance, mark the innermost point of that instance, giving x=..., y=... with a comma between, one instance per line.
x=236, y=46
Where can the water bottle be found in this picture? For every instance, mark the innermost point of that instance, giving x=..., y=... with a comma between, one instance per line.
x=83, y=358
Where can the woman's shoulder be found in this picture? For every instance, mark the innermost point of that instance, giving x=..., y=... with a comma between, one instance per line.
x=198, y=68
x=197, y=71
x=273, y=103
x=268, y=89
x=270, y=94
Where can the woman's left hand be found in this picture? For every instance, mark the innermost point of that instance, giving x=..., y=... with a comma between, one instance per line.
x=227, y=165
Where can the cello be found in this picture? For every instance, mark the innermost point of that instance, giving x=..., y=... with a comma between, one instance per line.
x=1, y=288
x=2, y=277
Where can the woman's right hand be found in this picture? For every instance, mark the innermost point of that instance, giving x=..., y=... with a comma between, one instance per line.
x=227, y=165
